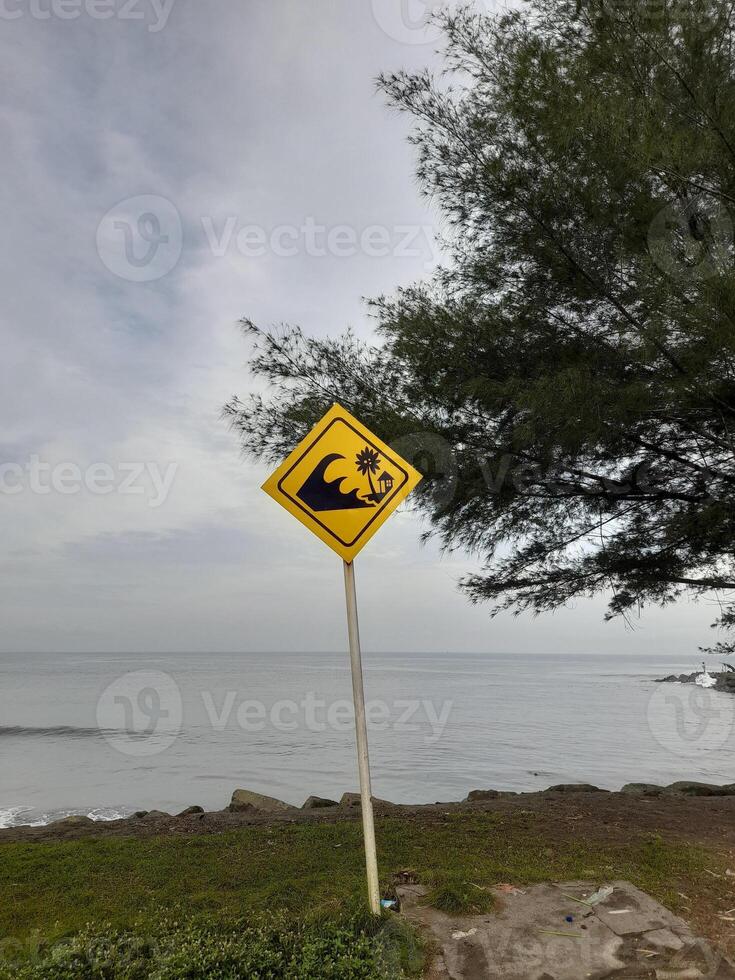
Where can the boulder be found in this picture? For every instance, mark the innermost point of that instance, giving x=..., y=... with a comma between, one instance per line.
x=684, y=788
x=190, y=811
x=642, y=789
x=139, y=814
x=157, y=815
x=575, y=788
x=245, y=799
x=354, y=799
x=318, y=803
x=478, y=795
x=74, y=821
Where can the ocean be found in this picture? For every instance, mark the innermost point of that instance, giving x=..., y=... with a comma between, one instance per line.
x=105, y=735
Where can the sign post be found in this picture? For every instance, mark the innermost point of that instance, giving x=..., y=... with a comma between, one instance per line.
x=363, y=755
x=343, y=483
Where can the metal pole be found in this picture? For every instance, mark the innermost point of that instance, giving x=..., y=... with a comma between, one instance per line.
x=363, y=759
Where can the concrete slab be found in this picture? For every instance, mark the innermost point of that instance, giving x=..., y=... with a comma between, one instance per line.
x=530, y=937
x=630, y=912
x=664, y=939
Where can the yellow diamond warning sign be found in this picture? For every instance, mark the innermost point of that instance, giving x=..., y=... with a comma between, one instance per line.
x=342, y=482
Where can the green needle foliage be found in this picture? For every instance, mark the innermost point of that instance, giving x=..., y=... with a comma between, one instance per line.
x=567, y=381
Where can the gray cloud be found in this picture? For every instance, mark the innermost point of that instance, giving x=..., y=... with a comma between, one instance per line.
x=242, y=116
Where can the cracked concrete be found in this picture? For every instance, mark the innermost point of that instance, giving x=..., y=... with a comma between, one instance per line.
x=627, y=935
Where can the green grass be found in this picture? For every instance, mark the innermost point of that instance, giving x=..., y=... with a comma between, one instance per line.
x=452, y=893
x=311, y=872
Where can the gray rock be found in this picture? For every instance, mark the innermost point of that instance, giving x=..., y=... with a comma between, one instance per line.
x=190, y=811
x=74, y=821
x=575, y=788
x=139, y=814
x=478, y=795
x=642, y=789
x=684, y=788
x=678, y=678
x=354, y=799
x=157, y=815
x=318, y=803
x=245, y=799
x=482, y=794
x=724, y=680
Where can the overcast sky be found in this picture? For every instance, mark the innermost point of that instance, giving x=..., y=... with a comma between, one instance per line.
x=169, y=167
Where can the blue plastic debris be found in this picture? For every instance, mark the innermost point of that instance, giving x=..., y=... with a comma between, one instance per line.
x=387, y=903
x=570, y=918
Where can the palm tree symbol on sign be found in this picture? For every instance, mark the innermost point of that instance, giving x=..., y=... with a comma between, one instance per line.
x=368, y=462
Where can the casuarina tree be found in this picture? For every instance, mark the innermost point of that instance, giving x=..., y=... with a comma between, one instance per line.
x=566, y=380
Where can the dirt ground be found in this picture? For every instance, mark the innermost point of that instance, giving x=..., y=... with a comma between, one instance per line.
x=559, y=818
x=608, y=817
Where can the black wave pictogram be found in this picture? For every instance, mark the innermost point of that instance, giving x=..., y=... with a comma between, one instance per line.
x=321, y=494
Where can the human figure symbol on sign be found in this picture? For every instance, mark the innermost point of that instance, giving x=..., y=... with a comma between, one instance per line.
x=321, y=494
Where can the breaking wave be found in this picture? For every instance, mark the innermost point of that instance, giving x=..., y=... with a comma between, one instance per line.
x=26, y=816
x=65, y=731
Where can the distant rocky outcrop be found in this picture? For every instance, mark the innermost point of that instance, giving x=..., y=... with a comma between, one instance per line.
x=724, y=680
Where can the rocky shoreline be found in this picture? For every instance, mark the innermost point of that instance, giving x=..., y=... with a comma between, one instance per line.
x=724, y=680
x=247, y=807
